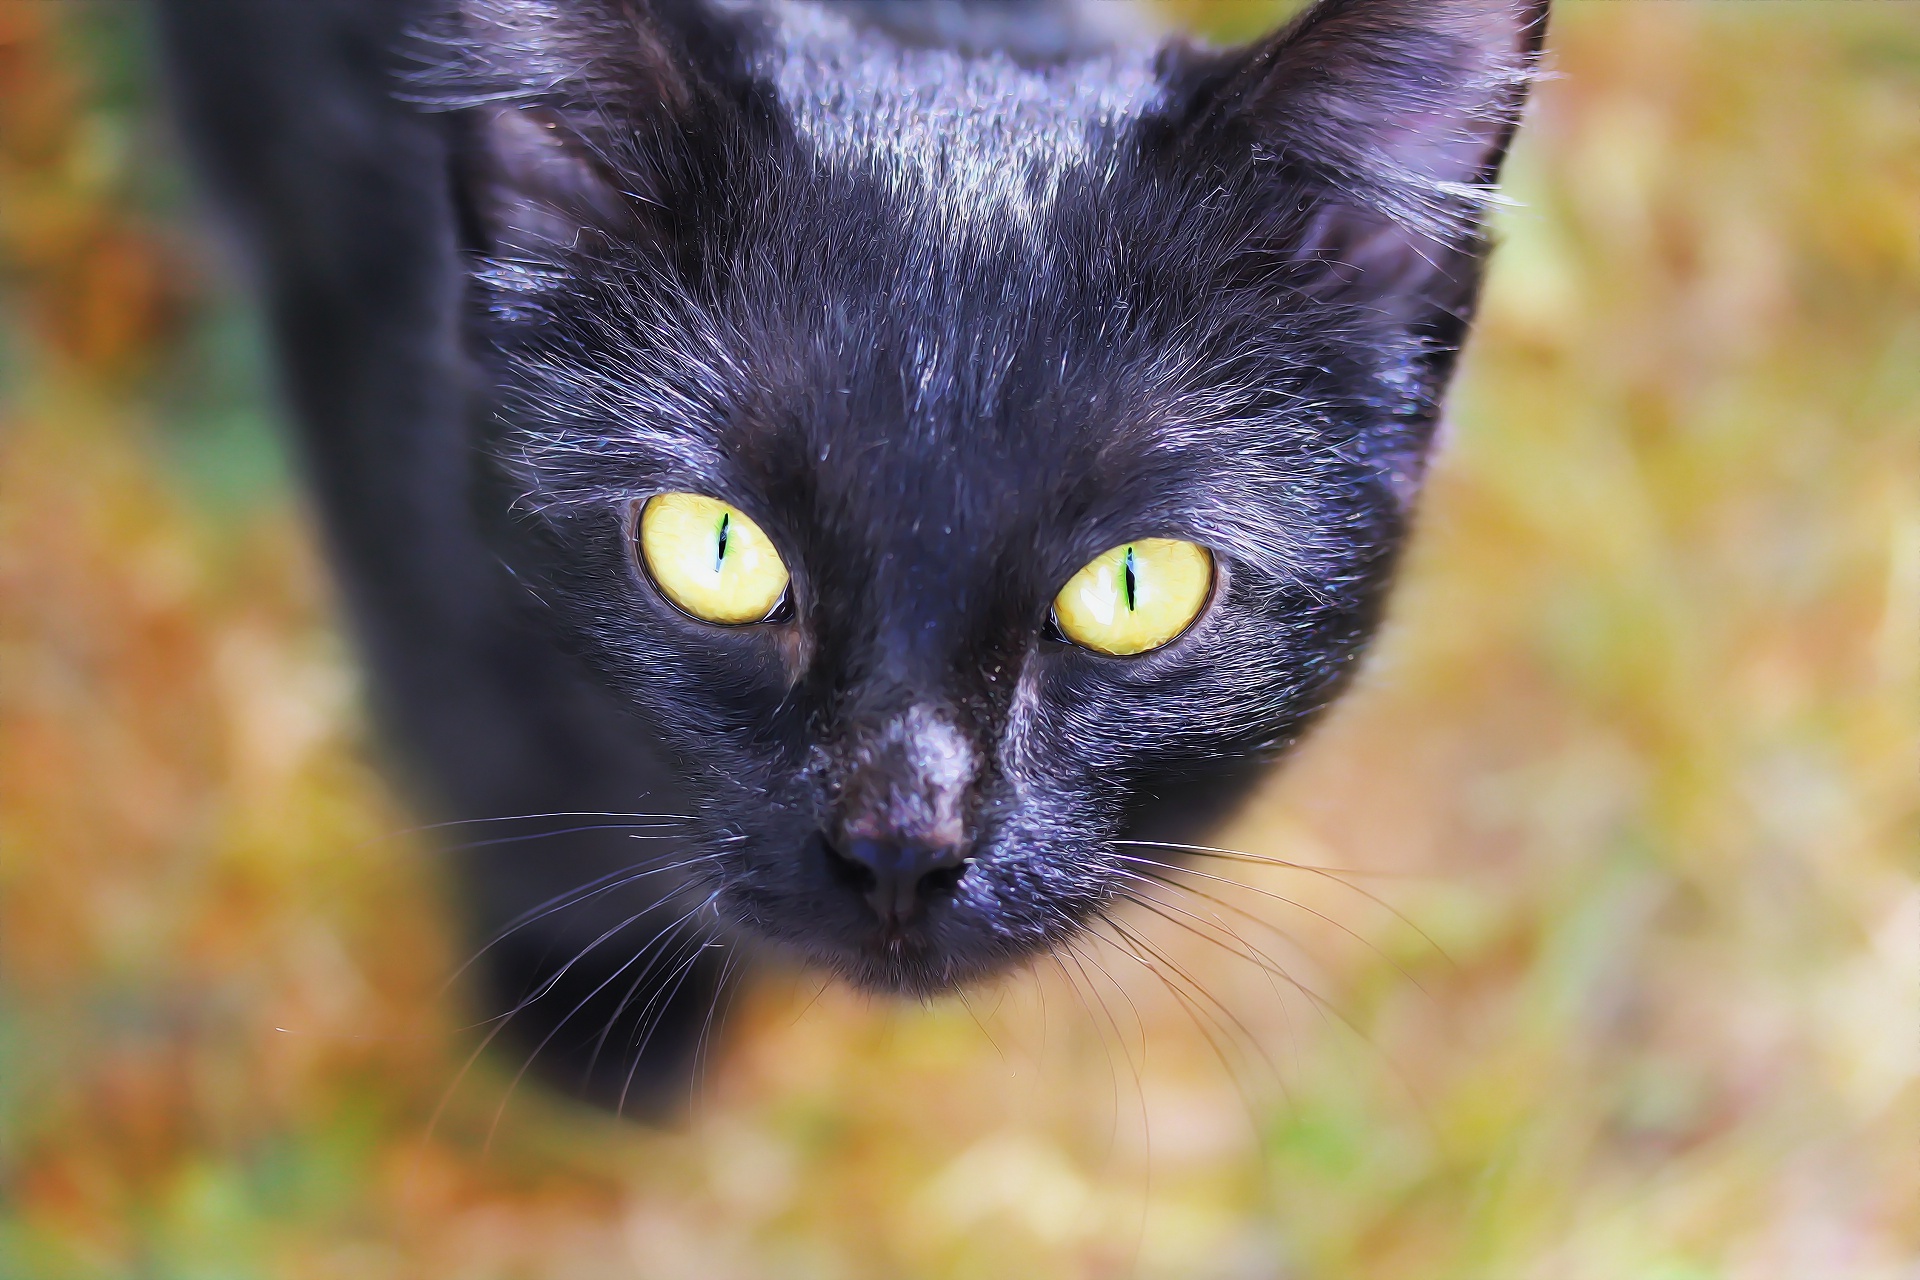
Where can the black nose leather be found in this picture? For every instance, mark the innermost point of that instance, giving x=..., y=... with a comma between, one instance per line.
x=899, y=875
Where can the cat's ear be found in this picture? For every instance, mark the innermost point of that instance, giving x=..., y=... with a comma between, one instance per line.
x=1374, y=130
x=579, y=117
x=536, y=183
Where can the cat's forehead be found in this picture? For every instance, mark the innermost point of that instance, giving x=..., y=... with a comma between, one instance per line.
x=973, y=140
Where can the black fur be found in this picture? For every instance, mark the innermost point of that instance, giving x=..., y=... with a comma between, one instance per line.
x=947, y=310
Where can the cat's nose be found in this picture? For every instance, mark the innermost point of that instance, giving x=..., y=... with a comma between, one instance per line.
x=898, y=877
x=900, y=828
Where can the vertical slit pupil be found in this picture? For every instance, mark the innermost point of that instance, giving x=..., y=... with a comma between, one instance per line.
x=1131, y=606
x=720, y=553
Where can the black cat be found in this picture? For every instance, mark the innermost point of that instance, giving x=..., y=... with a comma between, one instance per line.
x=906, y=447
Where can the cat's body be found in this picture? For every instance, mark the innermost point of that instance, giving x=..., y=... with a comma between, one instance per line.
x=949, y=299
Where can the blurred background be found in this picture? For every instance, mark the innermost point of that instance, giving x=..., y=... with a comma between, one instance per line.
x=1617, y=976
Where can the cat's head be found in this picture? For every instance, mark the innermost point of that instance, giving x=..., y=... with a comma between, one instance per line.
x=914, y=337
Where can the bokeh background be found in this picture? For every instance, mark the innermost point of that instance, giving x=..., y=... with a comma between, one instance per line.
x=1617, y=976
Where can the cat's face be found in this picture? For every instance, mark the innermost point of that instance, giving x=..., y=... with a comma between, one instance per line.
x=936, y=335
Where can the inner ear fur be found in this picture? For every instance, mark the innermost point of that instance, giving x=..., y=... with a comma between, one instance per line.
x=576, y=115
x=537, y=183
x=1374, y=130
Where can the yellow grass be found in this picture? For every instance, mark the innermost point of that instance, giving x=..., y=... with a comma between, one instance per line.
x=1636, y=768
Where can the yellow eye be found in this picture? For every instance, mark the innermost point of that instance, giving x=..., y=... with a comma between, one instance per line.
x=711, y=560
x=1135, y=597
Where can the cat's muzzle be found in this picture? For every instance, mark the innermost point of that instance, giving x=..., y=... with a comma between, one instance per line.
x=898, y=878
x=900, y=833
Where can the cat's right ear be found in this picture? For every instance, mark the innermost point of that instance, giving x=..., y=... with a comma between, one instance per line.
x=579, y=120
x=534, y=184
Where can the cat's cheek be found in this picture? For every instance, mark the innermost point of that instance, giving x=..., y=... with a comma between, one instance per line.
x=695, y=681
x=748, y=667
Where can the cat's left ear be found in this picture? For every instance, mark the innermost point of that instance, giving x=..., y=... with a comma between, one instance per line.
x=1373, y=131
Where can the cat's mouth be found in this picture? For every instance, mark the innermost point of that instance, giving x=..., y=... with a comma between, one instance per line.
x=935, y=954
x=901, y=904
x=907, y=962
x=913, y=934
